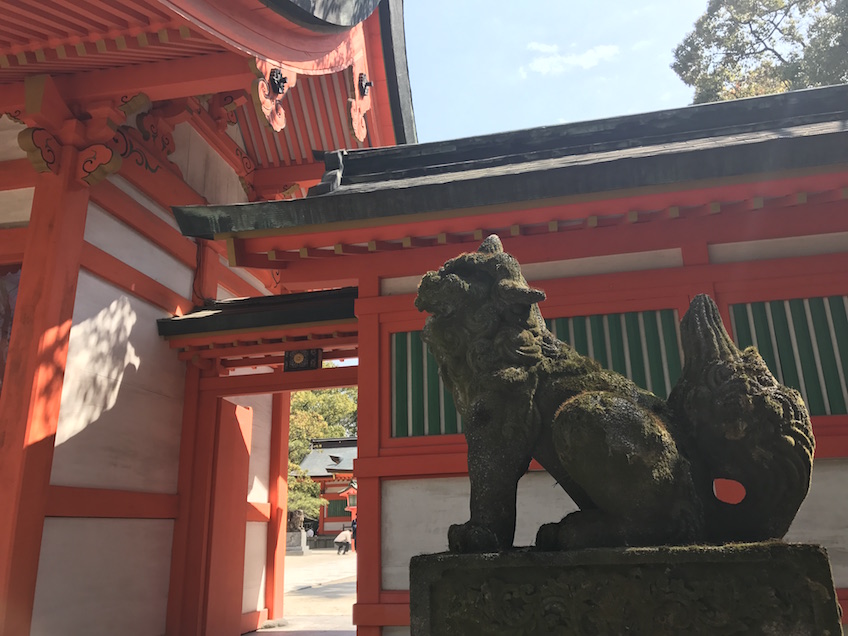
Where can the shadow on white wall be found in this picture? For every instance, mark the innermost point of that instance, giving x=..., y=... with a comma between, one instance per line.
x=101, y=352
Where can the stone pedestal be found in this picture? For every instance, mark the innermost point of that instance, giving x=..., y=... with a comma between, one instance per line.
x=773, y=589
x=296, y=543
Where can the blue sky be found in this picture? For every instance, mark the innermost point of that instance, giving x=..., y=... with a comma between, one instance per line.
x=483, y=67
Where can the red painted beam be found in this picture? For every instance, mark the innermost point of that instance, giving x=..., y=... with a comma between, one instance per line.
x=270, y=181
x=171, y=79
x=67, y=501
x=12, y=241
x=16, y=173
x=275, y=382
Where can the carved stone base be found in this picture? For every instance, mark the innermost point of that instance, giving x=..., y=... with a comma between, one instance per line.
x=296, y=543
x=770, y=588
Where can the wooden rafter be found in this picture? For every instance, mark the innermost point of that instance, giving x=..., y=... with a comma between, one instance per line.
x=171, y=79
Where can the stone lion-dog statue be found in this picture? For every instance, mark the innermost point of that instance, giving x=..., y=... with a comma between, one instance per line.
x=640, y=469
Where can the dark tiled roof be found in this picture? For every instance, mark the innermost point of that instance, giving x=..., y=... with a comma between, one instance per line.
x=745, y=137
x=327, y=458
x=263, y=312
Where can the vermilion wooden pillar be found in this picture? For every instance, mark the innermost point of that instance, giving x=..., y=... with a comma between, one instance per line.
x=209, y=576
x=368, y=562
x=189, y=569
x=29, y=406
x=278, y=497
x=225, y=574
x=190, y=439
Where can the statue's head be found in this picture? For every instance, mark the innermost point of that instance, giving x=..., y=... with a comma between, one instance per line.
x=488, y=277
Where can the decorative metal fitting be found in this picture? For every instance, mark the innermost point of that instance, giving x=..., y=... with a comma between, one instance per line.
x=276, y=81
x=364, y=84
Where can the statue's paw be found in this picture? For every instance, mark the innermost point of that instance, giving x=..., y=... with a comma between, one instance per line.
x=471, y=537
x=547, y=537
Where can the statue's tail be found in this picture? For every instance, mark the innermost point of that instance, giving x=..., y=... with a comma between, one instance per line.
x=737, y=422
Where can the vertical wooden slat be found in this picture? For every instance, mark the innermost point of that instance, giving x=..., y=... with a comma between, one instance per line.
x=434, y=402
x=780, y=329
x=796, y=356
x=399, y=362
x=819, y=373
x=765, y=341
x=416, y=372
x=616, y=342
x=634, y=346
x=826, y=350
x=739, y=322
x=581, y=341
x=655, y=353
x=670, y=332
x=839, y=348
x=599, y=340
x=666, y=382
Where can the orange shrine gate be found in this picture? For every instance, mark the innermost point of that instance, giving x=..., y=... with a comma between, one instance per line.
x=116, y=444
x=621, y=221
x=112, y=447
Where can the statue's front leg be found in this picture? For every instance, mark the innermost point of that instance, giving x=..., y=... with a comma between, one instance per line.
x=499, y=450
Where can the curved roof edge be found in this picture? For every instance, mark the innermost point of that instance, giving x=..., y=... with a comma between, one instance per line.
x=397, y=71
x=323, y=15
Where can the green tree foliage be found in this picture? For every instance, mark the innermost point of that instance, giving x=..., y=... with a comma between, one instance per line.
x=744, y=48
x=304, y=426
x=336, y=406
x=315, y=415
x=304, y=494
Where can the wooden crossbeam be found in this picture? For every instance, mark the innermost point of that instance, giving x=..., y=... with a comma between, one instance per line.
x=446, y=238
x=342, y=248
x=383, y=246
x=416, y=241
x=171, y=79
x=314, y=252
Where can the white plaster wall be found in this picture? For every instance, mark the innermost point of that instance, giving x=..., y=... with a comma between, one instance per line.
x=260, y=445
x=223, y=294
x=139, y=197
x=121, y=241
x=249, y=278
x=789, y=247
x=570, y=268
x=15, y=207
x=334, y=527
x=255, y=550
x=9, y=130
x=204, y=169
x=416, y=514
x=823, y=517
x=120, y=418
x=100, y=577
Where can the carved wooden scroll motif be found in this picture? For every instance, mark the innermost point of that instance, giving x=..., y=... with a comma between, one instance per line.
x=42, y=149
x=268, y=91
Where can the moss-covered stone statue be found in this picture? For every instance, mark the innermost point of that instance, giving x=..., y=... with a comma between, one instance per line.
x=641, y=469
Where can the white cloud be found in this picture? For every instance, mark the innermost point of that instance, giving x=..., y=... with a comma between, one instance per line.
x=641, y=44
x=522, y=72
x=542, y=48
x=555, y=63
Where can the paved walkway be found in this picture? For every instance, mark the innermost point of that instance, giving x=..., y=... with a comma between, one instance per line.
x=320, y=590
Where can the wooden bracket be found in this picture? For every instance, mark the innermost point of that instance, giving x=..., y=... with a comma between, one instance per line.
x=42, y=149
x=222, y=108
x=97, y=162
x=44, y=106
x=157, y=132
